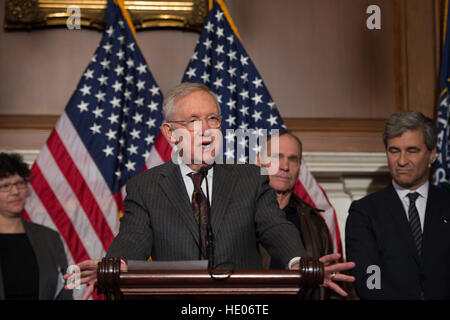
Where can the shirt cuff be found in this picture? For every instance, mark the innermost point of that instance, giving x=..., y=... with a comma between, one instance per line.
x=293, y=261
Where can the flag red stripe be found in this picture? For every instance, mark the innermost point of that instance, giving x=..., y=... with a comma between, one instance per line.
x=80, y=189
x=336, y=226
x=25, y=215
x=58, y=215
x=119, y=201
x=163, y=147
x=299, y=189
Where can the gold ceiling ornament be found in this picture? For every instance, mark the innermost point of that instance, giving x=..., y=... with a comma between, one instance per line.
x=145, y=14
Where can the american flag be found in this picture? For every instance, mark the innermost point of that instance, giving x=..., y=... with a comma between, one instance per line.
x=103, y=138
x=441, y=174
x=221, y=62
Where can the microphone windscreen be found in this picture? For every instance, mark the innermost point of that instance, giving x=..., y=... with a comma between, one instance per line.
x=203, y=171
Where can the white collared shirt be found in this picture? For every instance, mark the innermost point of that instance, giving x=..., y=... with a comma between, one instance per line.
x=189, y=184
x=421, y=202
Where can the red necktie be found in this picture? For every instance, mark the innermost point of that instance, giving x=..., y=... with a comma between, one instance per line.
x=200, y=208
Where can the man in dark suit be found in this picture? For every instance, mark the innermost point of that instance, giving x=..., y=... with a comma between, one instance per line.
x=399, y=237
x=163, y=217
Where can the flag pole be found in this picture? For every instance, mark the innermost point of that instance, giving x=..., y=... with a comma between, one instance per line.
x=127, y=17
x=228, y=16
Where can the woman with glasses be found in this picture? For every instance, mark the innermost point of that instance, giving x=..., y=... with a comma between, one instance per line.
x=32, y=258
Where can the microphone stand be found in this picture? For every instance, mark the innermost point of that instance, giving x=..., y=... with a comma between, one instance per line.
x=209, y=233
x=210, y=245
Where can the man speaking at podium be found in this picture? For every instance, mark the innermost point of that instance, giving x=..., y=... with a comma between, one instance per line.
x=169, y=215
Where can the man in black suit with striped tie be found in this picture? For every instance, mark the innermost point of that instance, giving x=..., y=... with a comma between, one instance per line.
x=164, y=215
x=399, y=237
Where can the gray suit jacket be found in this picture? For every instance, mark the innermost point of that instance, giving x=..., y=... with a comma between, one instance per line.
x=159, y=221
x=51, y=260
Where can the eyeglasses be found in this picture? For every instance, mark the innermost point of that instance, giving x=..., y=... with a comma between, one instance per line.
x=20, y=185
x=212, y=121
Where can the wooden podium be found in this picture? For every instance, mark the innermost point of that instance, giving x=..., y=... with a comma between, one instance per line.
x=148, y=284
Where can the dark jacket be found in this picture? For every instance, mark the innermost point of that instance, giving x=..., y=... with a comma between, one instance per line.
x=51, y=260
x=315, y=236
x=378, y=233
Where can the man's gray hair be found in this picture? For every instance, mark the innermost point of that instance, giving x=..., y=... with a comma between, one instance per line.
x=283, y=132
x=402, y=121
x=181, y=91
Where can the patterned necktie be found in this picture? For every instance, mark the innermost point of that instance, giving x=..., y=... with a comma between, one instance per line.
x=200, y=208
x=414, y=221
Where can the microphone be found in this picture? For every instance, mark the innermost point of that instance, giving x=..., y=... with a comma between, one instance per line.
x=209, y=233
x=203, y=171
x=210, y=245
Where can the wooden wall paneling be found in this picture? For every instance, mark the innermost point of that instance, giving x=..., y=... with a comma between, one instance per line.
x=317, y=134
x=338, y=135
x=400, y=57
x=417, y=54
x=27, y=122
x=439, y=12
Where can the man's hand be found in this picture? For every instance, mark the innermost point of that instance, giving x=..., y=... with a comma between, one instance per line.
x=88, y=276
x=332, y=272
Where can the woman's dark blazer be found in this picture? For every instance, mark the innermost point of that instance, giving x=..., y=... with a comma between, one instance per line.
x=51, y=260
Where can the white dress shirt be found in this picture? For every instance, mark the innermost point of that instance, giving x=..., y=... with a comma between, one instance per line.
x=421, y=202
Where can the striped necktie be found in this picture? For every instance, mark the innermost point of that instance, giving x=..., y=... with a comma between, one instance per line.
x=414, y=221
x=200, y=208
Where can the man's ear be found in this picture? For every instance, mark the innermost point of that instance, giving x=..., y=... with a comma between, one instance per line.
x=432, y=156
x=167, y=131
x=262, y=163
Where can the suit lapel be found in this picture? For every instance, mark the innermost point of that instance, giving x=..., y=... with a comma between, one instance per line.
x=173, y=186
x=432, y=208
x=36, y=244
x=2, y=288
x=397, y=212
x=224, y=180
